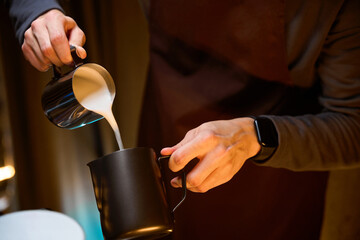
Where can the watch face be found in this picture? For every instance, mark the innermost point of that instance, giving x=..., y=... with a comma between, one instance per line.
x=266, y=131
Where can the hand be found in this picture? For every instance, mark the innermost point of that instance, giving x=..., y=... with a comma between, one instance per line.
x=222, y=148
x=47, y=41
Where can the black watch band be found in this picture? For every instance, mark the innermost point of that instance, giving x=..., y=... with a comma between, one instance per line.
x=267, y=137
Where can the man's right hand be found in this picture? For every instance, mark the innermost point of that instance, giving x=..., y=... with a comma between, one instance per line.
x=47, y=41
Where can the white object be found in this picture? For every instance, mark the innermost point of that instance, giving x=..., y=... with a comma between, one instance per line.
x=39, y=225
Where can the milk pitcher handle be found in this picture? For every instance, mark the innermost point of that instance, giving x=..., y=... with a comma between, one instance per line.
x=77, y=61
x=183, y=182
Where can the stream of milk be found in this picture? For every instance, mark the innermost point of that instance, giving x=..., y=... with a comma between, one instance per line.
x=94, y=89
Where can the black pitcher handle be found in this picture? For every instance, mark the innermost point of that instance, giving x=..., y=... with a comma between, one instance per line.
x=183, y=182
x=77, y=61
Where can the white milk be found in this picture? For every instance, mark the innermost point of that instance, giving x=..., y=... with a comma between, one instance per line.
x=95, y=90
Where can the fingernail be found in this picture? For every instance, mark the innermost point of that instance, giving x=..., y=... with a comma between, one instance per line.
x=47, y=67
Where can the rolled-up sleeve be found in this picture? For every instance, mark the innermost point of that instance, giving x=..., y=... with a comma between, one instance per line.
x=23, y=12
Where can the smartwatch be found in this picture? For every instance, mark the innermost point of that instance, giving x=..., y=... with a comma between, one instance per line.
x=268, y=138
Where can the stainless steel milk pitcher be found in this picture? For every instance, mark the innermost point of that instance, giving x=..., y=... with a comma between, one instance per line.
x=59, y=101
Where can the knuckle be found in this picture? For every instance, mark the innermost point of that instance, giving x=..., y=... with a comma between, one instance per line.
x=83, y=38
x=27, y=34
x=57, y=38
x=230, y=172
x=81, y=33
x=80, y=37
x=190, y=133
x=228, y=178
x=53, y=14
x=201, y=189
x=177, y=159
x=25, y=48
x=69, y=19
x=209, y=136
x=221, y=149
x=26, y=51
x=35, y=24
x=193, y=181
x=225, y=179
x=46, y=50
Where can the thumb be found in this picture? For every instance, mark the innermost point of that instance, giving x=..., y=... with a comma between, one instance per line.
x=77, y=38
x=80, y=51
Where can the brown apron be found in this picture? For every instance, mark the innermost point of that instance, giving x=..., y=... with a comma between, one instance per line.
x=220, y=60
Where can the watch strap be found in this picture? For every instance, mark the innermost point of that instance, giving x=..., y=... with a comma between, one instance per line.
x=267, y=137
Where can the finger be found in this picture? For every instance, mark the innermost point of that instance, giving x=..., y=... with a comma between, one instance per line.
x=202, y=177
x=167, y=151
x=80, y=51
x=43, y=49
x=33, y=59
x=208, y=183
x=176, y=182
x=183, y=155
x=77, y=38
x=222, y=174
x=170, y=150
x=218, y=177
x=194, y=146
x=59, y=41
x=32, y=52
x=211, y=161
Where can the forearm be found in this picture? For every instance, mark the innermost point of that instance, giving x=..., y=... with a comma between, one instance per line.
x=325, y=141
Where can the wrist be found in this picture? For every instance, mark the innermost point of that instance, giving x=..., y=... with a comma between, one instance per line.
x=247, y=127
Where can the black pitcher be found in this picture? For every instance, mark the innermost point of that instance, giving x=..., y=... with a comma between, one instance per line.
x=130, y=195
